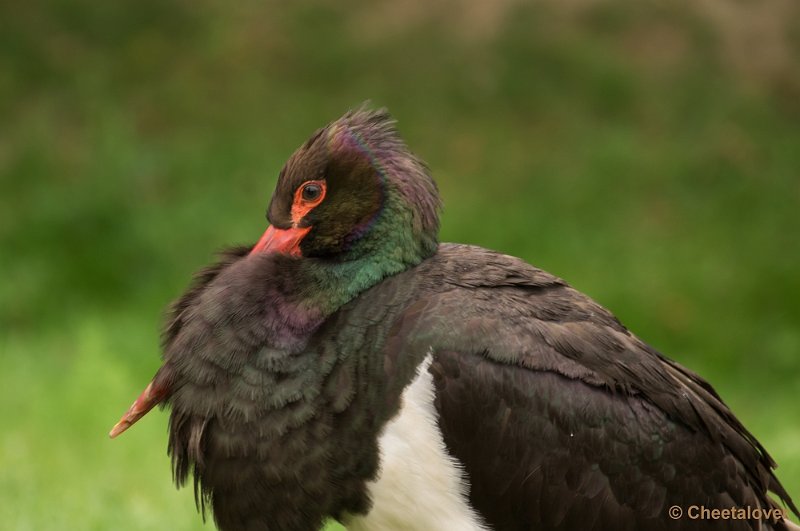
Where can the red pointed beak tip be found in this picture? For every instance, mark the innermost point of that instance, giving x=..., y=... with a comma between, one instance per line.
x=284, y=241
x=119, y=427
x=148, y=399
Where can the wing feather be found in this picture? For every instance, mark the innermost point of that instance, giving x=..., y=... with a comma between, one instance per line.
x=543, y=392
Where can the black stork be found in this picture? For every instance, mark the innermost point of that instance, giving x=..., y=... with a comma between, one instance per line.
x=350, y=366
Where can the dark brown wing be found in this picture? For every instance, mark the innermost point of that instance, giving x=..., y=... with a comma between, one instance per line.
x=565, y=420
x=543, y=451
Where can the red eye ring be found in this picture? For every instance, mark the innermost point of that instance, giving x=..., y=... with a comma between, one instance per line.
x=307, y=196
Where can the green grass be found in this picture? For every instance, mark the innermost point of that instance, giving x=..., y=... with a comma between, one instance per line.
x=619, y=146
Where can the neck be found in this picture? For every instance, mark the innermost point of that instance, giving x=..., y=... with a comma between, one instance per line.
x=394, y=244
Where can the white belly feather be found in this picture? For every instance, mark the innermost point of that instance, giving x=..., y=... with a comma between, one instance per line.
x=419, y=486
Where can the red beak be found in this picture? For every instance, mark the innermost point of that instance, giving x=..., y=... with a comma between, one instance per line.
x=155, y=393
x=284, y=241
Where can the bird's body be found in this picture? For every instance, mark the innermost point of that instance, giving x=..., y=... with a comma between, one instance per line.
x=351, y=367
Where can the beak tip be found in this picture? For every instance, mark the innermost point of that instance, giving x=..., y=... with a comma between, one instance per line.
x=118, y=428
x=155, y=392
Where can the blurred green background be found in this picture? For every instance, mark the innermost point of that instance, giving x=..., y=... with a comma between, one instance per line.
x=648, y=152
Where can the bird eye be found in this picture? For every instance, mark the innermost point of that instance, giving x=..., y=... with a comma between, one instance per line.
x=311, y=192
